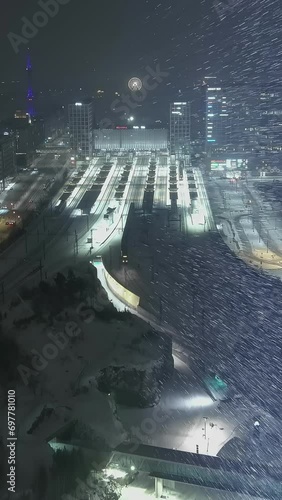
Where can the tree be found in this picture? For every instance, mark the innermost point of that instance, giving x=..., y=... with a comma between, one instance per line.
x=9, y=360
x=71, y=275
x=45, y=287
x=60, y=281
x=41, y=483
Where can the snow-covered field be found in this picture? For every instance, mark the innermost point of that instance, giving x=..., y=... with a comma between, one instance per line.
x=57, y=382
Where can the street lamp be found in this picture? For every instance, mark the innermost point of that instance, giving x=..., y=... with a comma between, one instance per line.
x=205, y=428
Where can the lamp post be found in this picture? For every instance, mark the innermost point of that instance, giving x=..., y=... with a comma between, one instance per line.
x=205, y=429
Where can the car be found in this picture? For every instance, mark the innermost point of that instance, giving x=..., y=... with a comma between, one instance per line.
x=10, y=223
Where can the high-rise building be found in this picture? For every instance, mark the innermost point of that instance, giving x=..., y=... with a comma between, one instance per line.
x=81, y=128
x=7, y=160
x=28, y=133
x=180, y=128
x=218, y=119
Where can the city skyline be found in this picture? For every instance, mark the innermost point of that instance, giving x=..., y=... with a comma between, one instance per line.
x=140, y=249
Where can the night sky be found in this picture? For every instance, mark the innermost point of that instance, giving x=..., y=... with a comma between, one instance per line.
x=101, y=44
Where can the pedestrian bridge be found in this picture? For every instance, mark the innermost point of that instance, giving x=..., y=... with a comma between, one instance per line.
x=206, y=471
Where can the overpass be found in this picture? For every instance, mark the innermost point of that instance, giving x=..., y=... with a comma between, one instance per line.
x=201, y=470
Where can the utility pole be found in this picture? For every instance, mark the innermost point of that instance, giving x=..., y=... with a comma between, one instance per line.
x=205, y=429
x=76, y=241
x=74, y=251
x=259, y=230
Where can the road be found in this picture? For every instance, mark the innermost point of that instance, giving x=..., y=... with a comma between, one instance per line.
x=28, y=190
x=255, y=222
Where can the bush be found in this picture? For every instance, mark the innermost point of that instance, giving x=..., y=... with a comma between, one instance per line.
x=10, y=358
x=110, y=313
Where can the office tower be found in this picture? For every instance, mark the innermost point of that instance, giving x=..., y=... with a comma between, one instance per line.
x=180, y=128
x=218, y=119
x=7, y=160
x=199, y=116
x=28, y=133
x=81, y=128
x=270, y=120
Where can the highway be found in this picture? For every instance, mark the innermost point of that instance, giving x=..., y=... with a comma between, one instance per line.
x=28, y=191
x=253, y=218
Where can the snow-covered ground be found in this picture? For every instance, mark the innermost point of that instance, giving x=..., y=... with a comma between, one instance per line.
x=59, y=376
x=143, y=488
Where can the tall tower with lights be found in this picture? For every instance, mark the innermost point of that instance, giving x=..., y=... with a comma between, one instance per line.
x=81, y=128
x=30, y=94
x=180, y=127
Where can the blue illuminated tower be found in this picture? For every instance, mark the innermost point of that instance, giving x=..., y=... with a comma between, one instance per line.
x=30, y=95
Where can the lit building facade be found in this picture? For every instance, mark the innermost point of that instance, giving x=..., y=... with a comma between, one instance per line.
x=180, y=126
x=242, y=118
x=135, y=139
x=81, y=128
x=7, y=160
x=218, y=119
x=28, y=133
